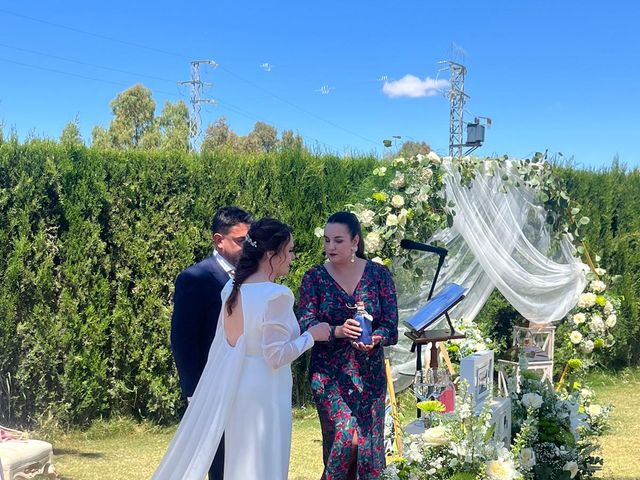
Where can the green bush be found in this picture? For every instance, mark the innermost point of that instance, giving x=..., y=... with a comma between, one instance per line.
x=90, y=244
x=611, y=199
x=92, y=240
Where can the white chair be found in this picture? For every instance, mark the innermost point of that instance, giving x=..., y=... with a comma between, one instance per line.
x=23, y=458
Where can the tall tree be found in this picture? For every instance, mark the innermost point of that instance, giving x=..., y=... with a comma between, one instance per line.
x=100, y=137
x=173, y=123
x=290, y=141
x=219, y=135
x=133, y=112
x=71, y=135
x=264, y=136
x=411, y=148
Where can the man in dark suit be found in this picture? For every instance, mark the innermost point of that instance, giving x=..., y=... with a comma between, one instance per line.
x=197, y=305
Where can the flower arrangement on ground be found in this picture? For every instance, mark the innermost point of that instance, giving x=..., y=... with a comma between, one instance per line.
x=553, y=436
x=458, y=446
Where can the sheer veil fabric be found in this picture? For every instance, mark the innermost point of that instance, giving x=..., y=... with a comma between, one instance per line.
x=499, y=239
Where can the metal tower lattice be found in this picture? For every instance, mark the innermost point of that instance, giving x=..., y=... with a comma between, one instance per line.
x=457, y=99
x=197, y=87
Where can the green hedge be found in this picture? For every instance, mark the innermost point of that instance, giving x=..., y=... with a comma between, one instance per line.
x=90, y=244
x=611, y=199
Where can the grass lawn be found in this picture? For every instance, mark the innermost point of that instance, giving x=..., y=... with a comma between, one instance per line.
x=123, y=450
x=620, y=447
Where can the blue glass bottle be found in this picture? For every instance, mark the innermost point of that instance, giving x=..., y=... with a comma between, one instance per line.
x=365, y=321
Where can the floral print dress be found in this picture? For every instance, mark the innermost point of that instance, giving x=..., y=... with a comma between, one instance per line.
x=348, y=385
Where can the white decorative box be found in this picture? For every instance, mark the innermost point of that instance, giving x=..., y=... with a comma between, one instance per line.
x=477, y=370
x=501, y=418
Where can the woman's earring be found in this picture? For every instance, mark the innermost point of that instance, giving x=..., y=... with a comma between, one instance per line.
x=353, y=255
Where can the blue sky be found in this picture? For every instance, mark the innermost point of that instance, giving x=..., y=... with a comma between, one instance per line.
x=556, y=75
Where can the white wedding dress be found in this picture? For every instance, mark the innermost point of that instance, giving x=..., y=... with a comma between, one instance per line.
x=245, y=392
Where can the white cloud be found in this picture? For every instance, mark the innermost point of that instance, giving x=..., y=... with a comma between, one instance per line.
x=412, y=86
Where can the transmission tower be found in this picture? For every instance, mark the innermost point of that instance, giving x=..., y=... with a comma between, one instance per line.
x=197, y=87
x=457, y=100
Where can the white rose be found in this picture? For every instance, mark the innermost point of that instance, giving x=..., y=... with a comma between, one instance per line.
x=435, y=436
x=575, y=337
x=397, y=201
x=587, y=300
x=402, y=217
x=608, y=308
x=598, y=286
x=398, y=181
x=434, y=158
x=366, y=217
x=571, y=467
x=594, y=410
x=588, y=346
x=532, y=400
x=527, y=457
x=392, y=220
x=426, y=174
x=611, y=321
x=373, y=242
x=377, y=260
x=319, y=232
x=423, y=197
x=596, y=325
x=579, y=318
x=499, y=470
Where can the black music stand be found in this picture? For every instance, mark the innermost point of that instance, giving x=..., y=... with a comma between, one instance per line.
x=450, y=295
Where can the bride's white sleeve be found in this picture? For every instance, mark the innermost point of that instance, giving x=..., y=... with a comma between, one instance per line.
x=277, y=346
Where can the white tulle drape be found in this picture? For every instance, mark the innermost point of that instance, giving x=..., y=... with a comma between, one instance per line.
x=499, y=239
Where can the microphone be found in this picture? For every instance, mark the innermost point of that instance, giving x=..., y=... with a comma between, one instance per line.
x=423, y=247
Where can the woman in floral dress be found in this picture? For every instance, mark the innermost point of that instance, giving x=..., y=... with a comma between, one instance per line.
x=348, y=378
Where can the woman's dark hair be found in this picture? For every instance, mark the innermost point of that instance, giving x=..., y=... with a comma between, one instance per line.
x=352, y=223
x=265, y=235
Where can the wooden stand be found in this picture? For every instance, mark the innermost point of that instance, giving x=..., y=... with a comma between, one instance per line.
x=431, y=337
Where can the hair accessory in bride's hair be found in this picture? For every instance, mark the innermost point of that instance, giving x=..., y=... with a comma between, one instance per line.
x=250, y=241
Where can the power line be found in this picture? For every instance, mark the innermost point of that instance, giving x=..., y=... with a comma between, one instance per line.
x=80, y=62
x=97, y=35
x=253, y=117
x=85, y=77
x=240, y=111
x=298, y=107
x=174, y=54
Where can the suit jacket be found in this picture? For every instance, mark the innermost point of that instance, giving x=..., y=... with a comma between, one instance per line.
x=196, y=307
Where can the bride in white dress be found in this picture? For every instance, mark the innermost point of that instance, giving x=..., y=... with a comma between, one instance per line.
x=245, y=389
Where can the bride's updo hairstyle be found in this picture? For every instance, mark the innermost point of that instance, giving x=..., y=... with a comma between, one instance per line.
x=265, y=235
